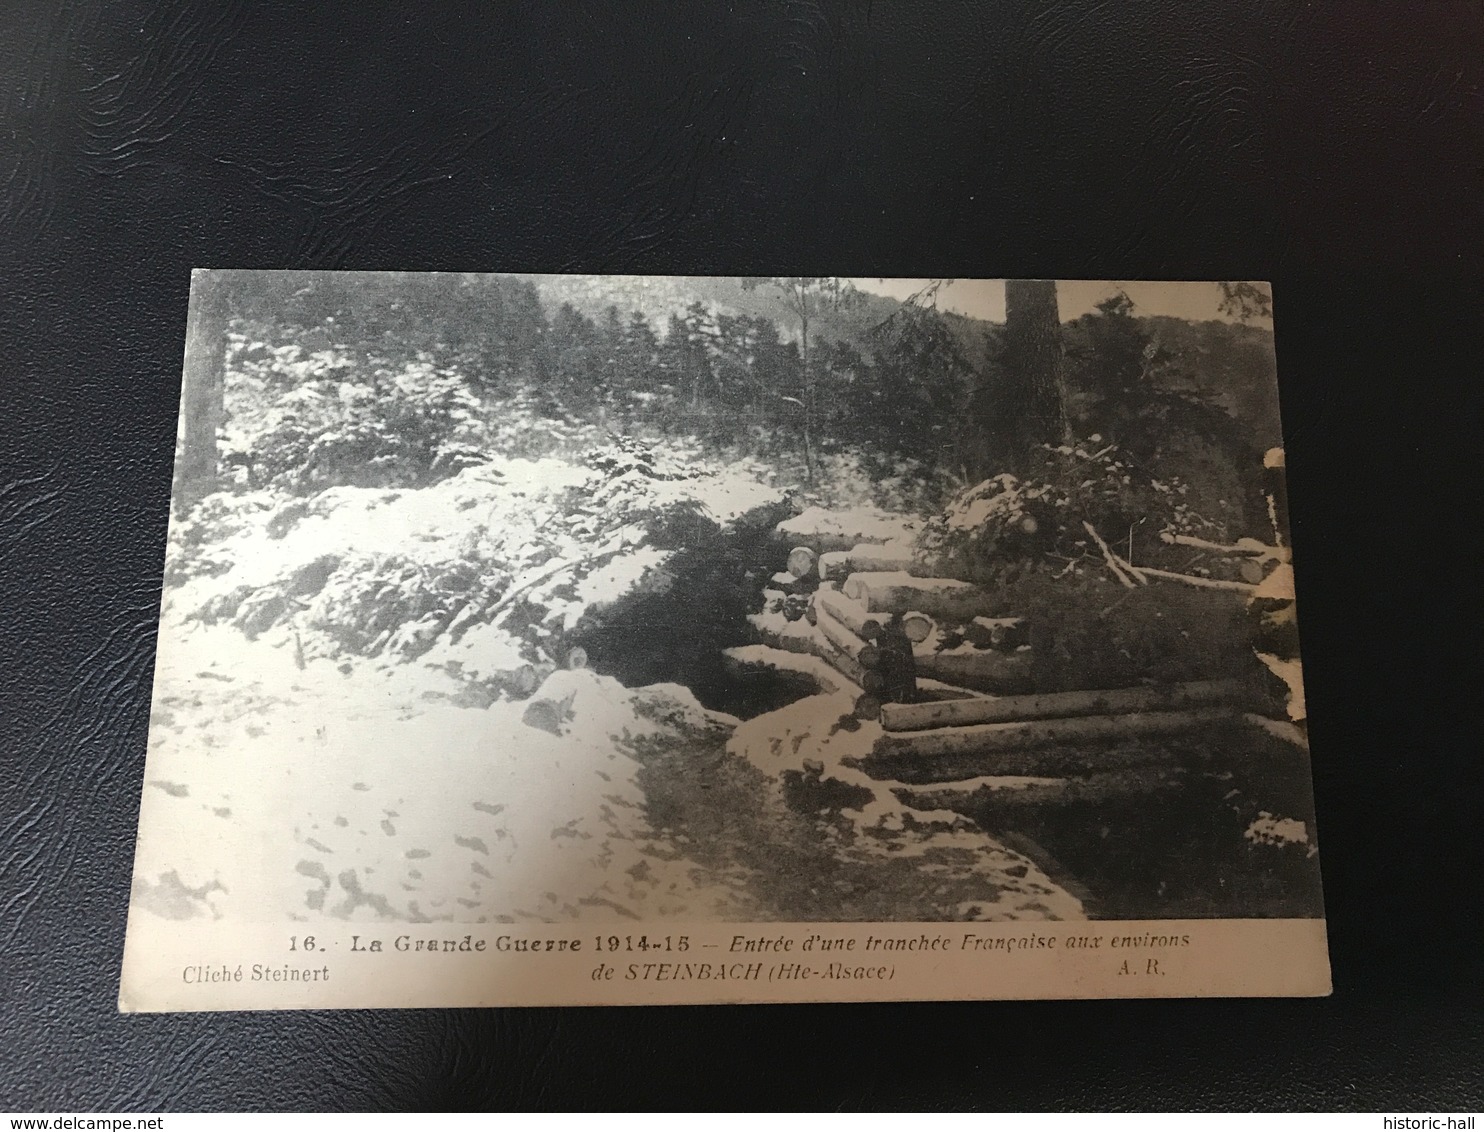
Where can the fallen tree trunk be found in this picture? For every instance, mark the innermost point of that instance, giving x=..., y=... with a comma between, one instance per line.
x=1201, y=583
x=1129, y=574
x=1122, y=570
x=899, y=592
x=1055, y=705
x=1048, y=761
x=1246, y=546
x=937, y=690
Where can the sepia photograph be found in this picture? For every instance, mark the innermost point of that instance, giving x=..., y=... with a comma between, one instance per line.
x=515, y=599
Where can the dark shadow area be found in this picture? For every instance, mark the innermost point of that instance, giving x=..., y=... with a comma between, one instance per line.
x=1208, y=842
x=674, y=628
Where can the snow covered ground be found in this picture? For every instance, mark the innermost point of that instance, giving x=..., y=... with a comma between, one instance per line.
x=273, y=792
x=315, y=750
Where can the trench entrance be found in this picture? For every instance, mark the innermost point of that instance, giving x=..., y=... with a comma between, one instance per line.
x=1180, y=849
x=675, y=631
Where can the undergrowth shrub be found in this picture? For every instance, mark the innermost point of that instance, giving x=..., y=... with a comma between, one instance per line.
x=1026, y=539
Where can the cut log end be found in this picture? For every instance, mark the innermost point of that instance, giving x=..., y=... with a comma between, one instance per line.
x=801, y=561
x=918, y=626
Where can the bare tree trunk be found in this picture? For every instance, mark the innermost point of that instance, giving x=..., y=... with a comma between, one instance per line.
x=808, y=392
x=1029, y=409
x=201, y=404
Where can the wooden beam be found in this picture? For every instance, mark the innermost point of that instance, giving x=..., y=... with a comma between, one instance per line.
x=899, y=592
x=1050, y=748
x=986, y=738
x=1056, y=705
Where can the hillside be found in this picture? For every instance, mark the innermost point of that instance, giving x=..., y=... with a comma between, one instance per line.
x=659, y=296
x=1230, y=364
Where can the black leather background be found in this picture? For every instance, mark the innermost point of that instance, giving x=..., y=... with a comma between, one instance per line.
x=1335, y=147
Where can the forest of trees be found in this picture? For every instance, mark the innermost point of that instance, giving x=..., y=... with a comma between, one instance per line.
x=919, y=392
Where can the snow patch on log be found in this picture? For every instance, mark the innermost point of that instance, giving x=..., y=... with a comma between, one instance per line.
x=826, y=530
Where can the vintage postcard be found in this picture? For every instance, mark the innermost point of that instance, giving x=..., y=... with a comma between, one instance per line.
x=622, y=640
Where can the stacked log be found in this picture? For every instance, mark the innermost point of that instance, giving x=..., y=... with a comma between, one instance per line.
x=864, y=652
x=801, y=637
x=787, y=583
x=919, y=627
x=887, y=671
x=864, y=558
x=848, y=612
x=1038, y=747
x=923, y=651
x=880, y=669
x=1011, y=793
x=801, y=562
x=1059, y=705
x=824, y=530
x=882, y=620
x=896, y=591
x=985, y=670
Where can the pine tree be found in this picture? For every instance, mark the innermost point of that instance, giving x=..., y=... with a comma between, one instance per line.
x=807, y=297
